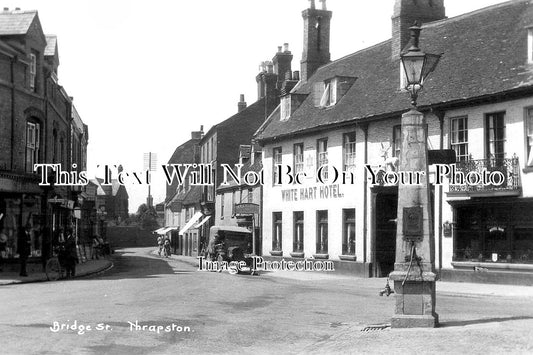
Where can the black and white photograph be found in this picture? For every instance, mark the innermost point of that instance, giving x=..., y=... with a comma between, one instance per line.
x=266, y=177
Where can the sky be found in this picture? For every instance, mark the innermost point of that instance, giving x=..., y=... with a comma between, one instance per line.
x=144, y=74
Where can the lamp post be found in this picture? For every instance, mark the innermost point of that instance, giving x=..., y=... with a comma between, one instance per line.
x=414, y=271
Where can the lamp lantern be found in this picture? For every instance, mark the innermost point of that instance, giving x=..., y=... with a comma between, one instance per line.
x=416, y=64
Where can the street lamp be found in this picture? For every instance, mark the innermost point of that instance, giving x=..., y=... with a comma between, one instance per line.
x=414, y=271
x=416, y=64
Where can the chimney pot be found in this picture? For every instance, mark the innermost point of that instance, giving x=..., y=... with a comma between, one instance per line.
x=279, y=49
x=296, y=75
x=241, y=105
x=6, y=8
x=201, y=128
x=270, y=68
x=17, y=8
x=285, y=47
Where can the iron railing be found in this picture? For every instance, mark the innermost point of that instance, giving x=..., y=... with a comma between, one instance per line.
x=508, y=167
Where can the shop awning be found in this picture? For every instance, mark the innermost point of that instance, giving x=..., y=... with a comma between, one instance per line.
x=159, y=231
x=191, y=221
x=164, y=230
x=202, y=221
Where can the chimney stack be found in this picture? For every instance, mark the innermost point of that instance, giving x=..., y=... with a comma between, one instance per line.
x=198, y=134
x=241, y=105
x=282, y=64
x=405, y=13
x=316, y=39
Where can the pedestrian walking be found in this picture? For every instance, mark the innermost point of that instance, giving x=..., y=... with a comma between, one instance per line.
x=71, y=254
x=24, y=248
x=160, y=244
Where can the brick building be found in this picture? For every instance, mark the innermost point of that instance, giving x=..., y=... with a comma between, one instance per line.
x=39, y=125
x=345, y=114
x=182, y=202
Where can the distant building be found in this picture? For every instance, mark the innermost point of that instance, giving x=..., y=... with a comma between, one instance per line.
x=183, y=201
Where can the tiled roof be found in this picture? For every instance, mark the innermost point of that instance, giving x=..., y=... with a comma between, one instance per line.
x=484, y=53
x=257, y=109
x=51, y=43
x=16, y=22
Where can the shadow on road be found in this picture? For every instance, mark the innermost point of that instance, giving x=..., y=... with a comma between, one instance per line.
x=480, y=321
x=130, y=265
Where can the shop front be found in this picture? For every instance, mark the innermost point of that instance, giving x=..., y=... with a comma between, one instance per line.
x=493, y=239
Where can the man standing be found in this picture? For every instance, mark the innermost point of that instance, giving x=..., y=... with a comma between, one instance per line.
x=24, y=248
x=71, y=254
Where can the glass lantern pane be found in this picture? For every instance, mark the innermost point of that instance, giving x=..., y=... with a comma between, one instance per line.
x=429, y=65
x=413, y=69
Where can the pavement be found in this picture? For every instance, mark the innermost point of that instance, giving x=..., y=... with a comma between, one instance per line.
x=11, y=275
x=443, y=287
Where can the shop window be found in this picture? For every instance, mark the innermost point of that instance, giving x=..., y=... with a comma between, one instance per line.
x=349, y=151
x=33, y=134
x=250, y=195
x=18, y=212
x=348, y=231
x=495, y=135
x=501, y=233
x=529, y=137
x=298, y=158
x=322, y=232
x=298, y=242
x=322, y=158
x=276, y=161
x=459, y=137
x=276, y=231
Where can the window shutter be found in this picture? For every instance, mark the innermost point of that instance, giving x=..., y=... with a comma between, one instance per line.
x=318, y=92
x=324, y=100
x=37, y=135
x=333, y=92
x=30, y=135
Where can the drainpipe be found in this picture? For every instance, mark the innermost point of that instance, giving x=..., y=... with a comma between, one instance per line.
x=440, y=116
x=364, y=127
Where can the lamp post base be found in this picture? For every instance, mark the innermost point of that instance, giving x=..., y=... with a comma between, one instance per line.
x=415, y=321
x=415, y=300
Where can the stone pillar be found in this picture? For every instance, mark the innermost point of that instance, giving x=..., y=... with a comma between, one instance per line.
x=414, y=271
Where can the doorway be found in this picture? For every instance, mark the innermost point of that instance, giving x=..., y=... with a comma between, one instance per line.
x=385, y=211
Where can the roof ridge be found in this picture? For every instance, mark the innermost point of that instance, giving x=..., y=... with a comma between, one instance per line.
x=355, y=53
x=17, y=12
x=472, y=13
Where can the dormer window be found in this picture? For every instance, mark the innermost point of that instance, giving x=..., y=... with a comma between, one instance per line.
x=327, y=93
x=329, y=97
x=285, y=108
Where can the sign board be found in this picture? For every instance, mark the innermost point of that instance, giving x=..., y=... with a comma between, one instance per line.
x=246, y=208
x=441, y=156
x=412, y=223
